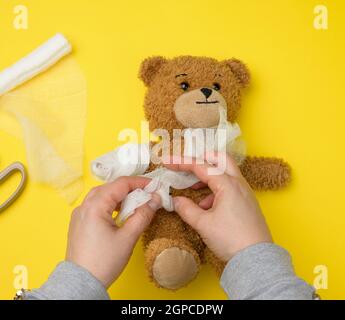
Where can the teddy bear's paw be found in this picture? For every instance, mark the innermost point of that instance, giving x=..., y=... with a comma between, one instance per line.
x=172, y=264
x=266, y=173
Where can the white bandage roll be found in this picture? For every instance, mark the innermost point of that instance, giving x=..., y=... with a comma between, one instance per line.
x=36, y=62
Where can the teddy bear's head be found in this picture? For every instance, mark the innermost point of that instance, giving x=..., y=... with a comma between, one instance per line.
x=186, y=92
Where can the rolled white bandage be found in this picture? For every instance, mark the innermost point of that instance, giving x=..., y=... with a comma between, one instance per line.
x=36, y=62
x=128, y=160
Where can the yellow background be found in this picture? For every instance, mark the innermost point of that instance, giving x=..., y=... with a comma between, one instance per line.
x=294, y=109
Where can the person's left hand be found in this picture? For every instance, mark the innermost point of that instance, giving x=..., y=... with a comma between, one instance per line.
x=95, y=242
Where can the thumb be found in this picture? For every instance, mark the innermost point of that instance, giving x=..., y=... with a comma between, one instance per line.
x=140, y=220
x=190, y=212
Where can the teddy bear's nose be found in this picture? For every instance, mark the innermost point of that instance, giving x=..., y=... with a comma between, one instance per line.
x=206, y=91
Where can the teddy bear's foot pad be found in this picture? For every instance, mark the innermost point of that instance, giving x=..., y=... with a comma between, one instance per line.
x=173, y=268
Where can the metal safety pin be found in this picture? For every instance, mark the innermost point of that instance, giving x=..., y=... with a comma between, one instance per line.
x=5, y=174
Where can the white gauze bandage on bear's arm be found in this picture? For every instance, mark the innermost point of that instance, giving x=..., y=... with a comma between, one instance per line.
x=128, y=160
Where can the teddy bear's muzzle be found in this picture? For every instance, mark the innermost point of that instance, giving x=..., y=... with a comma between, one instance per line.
x=199, y=108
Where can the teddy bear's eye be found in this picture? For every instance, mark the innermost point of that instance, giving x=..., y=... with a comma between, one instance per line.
x=216, y=86
x=184, y=86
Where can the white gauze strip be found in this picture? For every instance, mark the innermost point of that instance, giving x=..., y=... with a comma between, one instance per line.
x=36, y=62
x=120, y=162
x=163, y=179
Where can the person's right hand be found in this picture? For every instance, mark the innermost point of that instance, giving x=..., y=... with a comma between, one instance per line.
x=228, y=220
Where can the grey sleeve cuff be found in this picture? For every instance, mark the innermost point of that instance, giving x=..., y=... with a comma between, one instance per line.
x=264, y=272
x=69, y=282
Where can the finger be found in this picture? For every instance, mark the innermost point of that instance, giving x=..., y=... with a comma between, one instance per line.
x=106, y=198
x=141, y=219
x=190, y=212
x=199, y=185
x=200, y=168
x=225, y=161
x=207, y=202
x=120, y=188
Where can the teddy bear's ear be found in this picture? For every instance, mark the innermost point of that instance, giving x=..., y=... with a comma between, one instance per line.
x=149, y=68
x=240, y=71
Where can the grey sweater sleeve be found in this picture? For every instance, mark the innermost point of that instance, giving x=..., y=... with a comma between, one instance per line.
x=264, y=271
x=69, y=282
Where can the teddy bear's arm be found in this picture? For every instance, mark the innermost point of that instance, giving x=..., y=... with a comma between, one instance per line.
x=266, y=173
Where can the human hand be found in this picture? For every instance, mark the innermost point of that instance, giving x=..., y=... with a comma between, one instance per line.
x=229, y=219
x=95, y=242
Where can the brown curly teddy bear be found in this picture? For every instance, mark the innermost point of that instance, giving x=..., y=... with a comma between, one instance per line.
x=174, y=252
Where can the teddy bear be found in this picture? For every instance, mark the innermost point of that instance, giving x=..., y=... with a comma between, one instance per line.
x=187, y=92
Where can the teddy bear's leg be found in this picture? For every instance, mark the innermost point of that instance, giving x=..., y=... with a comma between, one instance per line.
x=215, y=262
x=266, y=173
x=172, y=251
x=171, y=263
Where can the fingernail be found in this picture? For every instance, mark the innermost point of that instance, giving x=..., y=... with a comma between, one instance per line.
x=166, y=159
x=176, y=202
x=155, y=202
x=153, y=205
x=175, y=159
